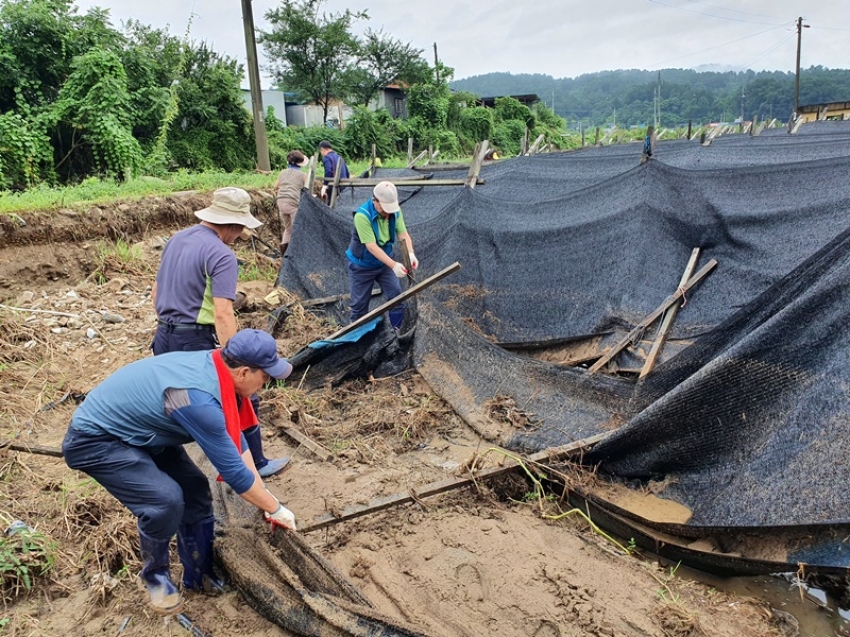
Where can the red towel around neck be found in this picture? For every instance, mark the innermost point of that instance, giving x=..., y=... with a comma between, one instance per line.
x=236, y=418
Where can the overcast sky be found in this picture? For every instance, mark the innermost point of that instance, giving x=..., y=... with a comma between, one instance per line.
x=556, y=37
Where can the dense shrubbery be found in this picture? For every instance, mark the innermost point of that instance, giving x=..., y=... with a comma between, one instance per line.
x=80, y=99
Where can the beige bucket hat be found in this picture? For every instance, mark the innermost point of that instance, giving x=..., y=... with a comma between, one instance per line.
x=229, y=205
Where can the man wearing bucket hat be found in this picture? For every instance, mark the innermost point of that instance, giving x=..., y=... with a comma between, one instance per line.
x=377, y=224
x=129, y=432
x=290, y=182
x=195, y=288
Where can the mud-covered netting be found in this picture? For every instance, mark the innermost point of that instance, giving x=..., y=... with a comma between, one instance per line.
x=746, y=417
x=285, y=580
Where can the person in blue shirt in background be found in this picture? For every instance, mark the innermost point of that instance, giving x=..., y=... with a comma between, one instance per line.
x=377, y=225
x=332, y=163
x=129, y=432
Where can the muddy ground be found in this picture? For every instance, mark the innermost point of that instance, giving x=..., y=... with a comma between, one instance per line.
x=477, y=561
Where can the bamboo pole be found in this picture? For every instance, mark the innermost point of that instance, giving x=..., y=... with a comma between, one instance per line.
x=669, y=316
x=412, y=291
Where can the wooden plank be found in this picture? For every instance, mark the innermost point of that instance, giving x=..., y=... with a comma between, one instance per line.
x=538, y=141
x=409, y=152
x=649, y=320
x=411, y=182
x=669, y=316
x=431, y=156
x=318, y=450
x=450, y=484
x=431, y=280
x=412, y=163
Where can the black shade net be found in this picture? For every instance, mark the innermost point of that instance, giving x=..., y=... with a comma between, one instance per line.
x=750, y=421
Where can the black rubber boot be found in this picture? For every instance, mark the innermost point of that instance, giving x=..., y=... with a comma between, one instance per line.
x=156, y=575
x=195, y=545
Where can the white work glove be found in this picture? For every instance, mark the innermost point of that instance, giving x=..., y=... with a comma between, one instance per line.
x=283, y=517
x=324, y=191
x=414, y=262
x=399, y=270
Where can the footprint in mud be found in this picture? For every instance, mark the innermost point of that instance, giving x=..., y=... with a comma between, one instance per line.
x=470, y=580
x=547, y=629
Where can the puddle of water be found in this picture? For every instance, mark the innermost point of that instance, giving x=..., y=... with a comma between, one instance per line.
x=817, y=613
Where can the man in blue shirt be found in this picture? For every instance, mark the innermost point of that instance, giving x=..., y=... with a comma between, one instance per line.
x=195, y=288
x=129, y=432
x=333, y=163
x=377, y=224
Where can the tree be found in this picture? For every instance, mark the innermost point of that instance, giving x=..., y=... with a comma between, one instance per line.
x=383, y=60
x=312, y=53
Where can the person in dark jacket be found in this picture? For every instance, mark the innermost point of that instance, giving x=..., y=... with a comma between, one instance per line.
x=377, y=225
x=333, y=163
x=129, y=432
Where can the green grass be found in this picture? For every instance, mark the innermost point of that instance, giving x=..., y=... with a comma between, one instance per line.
x=94, y=191
x=24, y=556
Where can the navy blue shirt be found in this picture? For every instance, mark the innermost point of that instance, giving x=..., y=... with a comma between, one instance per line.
x=331, y=162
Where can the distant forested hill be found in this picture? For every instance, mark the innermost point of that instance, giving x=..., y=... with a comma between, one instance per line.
x=627, y=97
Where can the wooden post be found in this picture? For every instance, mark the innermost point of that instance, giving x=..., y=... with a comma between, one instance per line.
x=409, y=152
x=311, y=171
x=669, y=316
x=374, y=160
x=335, y=191
x=596, y=138
x=523, y=144
x=690, y=127
x=649, y=320
x=477, y=160
x=581, y=128
x=411, y=291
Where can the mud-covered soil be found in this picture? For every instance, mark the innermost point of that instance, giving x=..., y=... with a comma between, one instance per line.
x=476, y=561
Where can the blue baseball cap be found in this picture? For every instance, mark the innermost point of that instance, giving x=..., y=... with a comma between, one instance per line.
x=255, y=348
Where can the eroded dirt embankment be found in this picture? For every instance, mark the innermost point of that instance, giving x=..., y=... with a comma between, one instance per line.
x=55, y=245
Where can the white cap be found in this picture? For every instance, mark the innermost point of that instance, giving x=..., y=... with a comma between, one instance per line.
x=387, y=195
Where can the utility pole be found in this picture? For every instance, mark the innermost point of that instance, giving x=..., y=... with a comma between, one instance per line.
x=263, y=162
x=436, y=65
x=800, y=27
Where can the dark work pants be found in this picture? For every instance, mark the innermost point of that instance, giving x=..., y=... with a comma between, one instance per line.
x=361, y=281
x=168, y=339
x=163, y=490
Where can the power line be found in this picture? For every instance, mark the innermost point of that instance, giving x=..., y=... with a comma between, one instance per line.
x=784, y=39
x=720, y=46
x=714, y=6
x=710, y=15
